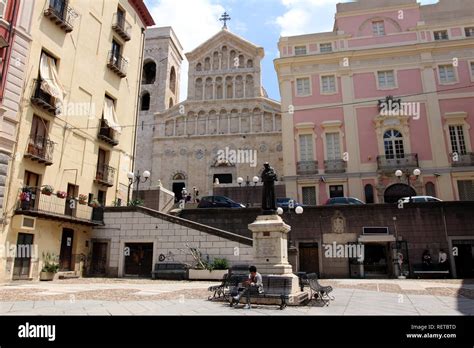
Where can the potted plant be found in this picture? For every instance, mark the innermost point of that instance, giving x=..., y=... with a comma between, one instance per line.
x=47, y=190
x=50, y=266
x=61, y=194
x=212, y=271
x=82, y=199
x=94, y=203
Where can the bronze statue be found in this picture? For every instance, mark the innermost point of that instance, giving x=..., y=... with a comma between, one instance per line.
x=269, y=177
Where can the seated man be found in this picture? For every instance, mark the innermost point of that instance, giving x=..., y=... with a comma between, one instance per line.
x=253, y=284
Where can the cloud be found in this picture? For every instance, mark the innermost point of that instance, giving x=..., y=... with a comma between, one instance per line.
x=194, y=22
x=306, y=16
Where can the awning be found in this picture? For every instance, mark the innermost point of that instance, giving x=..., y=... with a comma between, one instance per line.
x=110, y=116
x=50, y=79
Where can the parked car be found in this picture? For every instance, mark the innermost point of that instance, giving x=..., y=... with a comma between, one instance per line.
x=419, y=199
x=285, y=202
x=344, y=201
x=218, y=202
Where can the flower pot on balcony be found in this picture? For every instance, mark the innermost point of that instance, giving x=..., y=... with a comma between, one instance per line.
x=61, y=194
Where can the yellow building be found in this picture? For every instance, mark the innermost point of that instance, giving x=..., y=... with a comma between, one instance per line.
x=76, y=133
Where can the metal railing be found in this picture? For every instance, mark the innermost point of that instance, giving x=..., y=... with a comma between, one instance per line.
x=61, y=14
x=408, y=160
x=117, y=63
x=40, y=148
x=121, y=26
x=335, y=166
x=464, y=160
x=107, y=133
x=43, y=99
x=105, y=174
x=307, y=167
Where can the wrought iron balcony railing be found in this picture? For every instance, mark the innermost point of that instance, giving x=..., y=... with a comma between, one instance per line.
x=117, y=64
x=307, y=167
x=465, y=160
x=335, y=166
x=121, y=27
x=43, y=100
x=105, y=175
x=40, y=149
x=61, y=14
x=392, y=163
x=108, y=134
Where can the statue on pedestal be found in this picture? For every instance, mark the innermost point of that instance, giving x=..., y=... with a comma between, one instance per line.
x=269, y=177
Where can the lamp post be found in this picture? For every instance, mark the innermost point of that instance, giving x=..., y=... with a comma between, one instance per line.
x=255, y=181
x=399, y=174
x=136, y=178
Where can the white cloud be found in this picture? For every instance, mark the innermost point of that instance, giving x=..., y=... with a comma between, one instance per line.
x=307, y=16
x=194, y=21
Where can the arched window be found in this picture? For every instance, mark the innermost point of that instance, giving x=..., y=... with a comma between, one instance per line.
x=225, y=58
x=209, y=93
x=149, y=73
x=369, y=194
x=233, y=62
x=250, y=63
x=215, y=61
x=198, y=89
x=171, y=103
x=393, y=144
x=241, y=61
x=207, y=64
x=229, y=88
x=239, y=87
x=173, y=80
x=249, y=86
x=145, y=103
x=179, y=177
x=219, y=88
x=198, y=67
x=430, y=189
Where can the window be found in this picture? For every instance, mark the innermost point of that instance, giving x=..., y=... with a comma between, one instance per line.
x=300, y=50
x=325, y=47
x=393, y=144
x=336, y=191
x=386, y=79
x=173, y=80
x=328, y=84
x=3, y=7
x=50, y=83
x=309, y=195
x=469, y=32
x=32, y=180
x=149, y=73
x=446, y=73
x=441, y=35
x=430, y=189
x=145, y=104
x=223, y=178
x=333, y=145
x=458, y=143
x=466, y=190
x=378, y=28
x=472, y=69
x=369, y=194
x=303, y=87
x=306, y=148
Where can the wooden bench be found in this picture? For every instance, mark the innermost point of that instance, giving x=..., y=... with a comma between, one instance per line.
x=274, y=287
x=170, y=271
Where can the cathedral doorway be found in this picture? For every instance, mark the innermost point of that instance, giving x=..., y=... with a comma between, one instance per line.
x=394, y=192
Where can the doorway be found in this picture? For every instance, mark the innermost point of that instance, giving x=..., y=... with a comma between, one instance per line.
x=99, y=258
x=464, y=261
x=394, y=192
x=65, y=256
x=138, y=259
x=376, y=259
x=72, y=192
x=309, y=258
x=178, y=189
x=22, y=264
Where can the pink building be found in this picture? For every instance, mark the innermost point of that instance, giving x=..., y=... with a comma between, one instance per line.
x=382, y=107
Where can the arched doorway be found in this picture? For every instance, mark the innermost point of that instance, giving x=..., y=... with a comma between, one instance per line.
x=396, y=191
x=179, y=183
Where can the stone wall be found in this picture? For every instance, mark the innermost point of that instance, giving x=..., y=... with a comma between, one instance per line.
x=168, y=234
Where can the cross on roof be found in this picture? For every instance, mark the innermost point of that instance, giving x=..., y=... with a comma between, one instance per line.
x=224, y=18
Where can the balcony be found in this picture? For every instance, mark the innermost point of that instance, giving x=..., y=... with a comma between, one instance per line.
x=51, y=207
x=61, y=14
x=307, y=167
x=107, y=134
x=466, y=160
x=105, y=175
x=389, y=164
x=335, y=166
x=43, y=100
x=40, y=149
x=121, y=27
x=117, y=64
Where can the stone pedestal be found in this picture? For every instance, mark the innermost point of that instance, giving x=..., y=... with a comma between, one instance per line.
x=270, y=251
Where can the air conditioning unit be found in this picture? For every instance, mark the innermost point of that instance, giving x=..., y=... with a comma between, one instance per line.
x=24, y=222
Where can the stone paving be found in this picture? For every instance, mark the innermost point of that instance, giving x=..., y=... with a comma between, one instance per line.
x=147, y=297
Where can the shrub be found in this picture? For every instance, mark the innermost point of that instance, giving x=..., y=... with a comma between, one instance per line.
x=220, y=264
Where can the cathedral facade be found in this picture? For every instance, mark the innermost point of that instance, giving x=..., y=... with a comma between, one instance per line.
x=226, y=129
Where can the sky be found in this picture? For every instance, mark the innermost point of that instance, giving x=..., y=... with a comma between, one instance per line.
x=262, y=22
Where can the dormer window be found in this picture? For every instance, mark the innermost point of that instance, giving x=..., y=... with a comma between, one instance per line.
x=441, y=35
x=300, y=50
x=378, y=28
